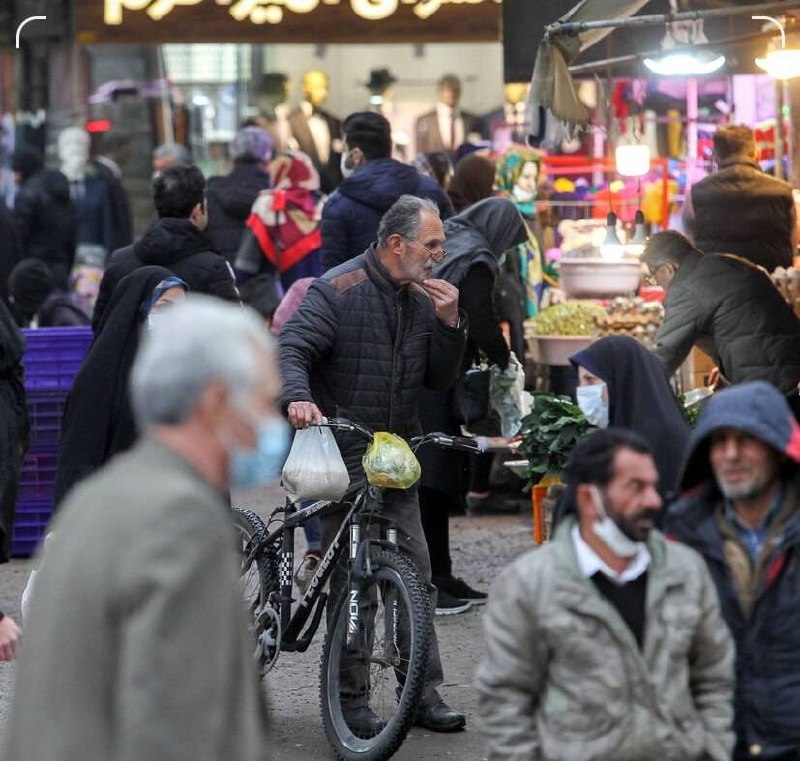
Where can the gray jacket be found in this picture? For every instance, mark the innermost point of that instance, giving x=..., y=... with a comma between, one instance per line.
x=564, y=680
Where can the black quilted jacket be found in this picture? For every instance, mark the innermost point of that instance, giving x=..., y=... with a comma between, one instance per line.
x=362, y=347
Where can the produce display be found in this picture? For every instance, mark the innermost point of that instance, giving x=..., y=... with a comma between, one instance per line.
x=632, y=317
x=787, y=282
x=571, y=318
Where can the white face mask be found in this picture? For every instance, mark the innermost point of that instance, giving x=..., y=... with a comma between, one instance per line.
x=609, y=533
x=345, y=168
x=590, y=400
x=522, y=195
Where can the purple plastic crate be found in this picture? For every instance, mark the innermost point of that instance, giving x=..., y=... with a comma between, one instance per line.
x=37, y=476
x=30, y=524
x=45, y=410
x=53, y=356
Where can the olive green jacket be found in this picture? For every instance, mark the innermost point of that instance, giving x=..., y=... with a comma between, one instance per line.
x=563, y=678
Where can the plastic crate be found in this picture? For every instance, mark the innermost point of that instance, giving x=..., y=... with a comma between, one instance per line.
x=53, y=356
x=37, y=477
x=45, y=411
x=30, y=524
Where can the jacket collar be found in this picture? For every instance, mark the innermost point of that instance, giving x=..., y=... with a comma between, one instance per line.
x=379, y=274
x=739, y=162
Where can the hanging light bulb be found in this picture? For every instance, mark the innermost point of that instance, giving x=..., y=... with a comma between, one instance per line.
x=680, y=56
x=779, y=63
x=632, y=160
x=636, y=244
x=611, y=247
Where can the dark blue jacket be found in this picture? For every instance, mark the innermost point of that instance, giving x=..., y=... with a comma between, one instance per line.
x=362, y=347
x=351, y=216
x=768, y=641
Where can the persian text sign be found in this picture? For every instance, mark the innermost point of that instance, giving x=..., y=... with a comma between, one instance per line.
x=262, y=21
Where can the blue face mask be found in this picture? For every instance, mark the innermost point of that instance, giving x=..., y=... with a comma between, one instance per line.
x=254, y=467
x=590, y=400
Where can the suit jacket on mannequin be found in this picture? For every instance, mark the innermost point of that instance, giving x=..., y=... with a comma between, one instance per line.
x=430, y=138
x=328, y=167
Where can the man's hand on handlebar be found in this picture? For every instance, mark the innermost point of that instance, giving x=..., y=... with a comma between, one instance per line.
x=302, y=414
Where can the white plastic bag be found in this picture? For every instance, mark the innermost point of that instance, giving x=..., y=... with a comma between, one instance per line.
x=506, y=390
x=314, y=468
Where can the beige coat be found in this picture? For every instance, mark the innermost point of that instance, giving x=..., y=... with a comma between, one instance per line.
x=136, y=647
x=564, y=680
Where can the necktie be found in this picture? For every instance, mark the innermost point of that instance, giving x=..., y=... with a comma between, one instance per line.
x=452, y=129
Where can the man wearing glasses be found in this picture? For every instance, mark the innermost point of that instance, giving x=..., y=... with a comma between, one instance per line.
x=368, y=336
x=726, y=306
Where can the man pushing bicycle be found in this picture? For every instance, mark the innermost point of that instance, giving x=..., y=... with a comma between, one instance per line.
x=368, y=336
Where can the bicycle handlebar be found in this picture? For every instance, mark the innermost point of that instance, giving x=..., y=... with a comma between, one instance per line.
x=461, y=443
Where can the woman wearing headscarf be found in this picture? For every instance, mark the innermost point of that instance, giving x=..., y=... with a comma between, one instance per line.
x=477, y=239
x=98, y=422
x=517, y=179
x=14, y=425
x=284, y=233
x=622, y=384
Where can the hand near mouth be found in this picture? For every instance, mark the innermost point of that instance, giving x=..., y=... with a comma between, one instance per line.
x=445, y=299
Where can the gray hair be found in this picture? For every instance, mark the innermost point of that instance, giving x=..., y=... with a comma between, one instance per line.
x=251, y=145
x=196, y=342
x=175, y=150
x=402, y=218
x=666, y=247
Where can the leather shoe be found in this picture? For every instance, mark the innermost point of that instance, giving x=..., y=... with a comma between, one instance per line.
x=363, y=722
x=439, y=717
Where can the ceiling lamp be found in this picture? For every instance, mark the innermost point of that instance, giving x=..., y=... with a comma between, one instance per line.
x=690, y=63
x=632, y=160
x=680, y=56
x=783, y=62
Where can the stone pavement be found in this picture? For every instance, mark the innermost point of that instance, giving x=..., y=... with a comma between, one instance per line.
x=480, y=547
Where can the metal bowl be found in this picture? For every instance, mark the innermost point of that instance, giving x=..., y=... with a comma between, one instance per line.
x=517, y=467
x=555, y=350
x=696, y=396
x=599, y=278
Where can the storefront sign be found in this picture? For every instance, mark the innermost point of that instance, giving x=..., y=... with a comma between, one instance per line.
x=264, y=21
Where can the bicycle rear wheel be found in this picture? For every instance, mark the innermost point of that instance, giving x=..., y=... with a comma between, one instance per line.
x=386, y=673
x=259, y=578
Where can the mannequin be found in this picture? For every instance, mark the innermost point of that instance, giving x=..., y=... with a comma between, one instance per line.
x=447, y=126
x=272, y=98
x=508, y=124
x=381, y=100
x=91, y=196
x=318, y=133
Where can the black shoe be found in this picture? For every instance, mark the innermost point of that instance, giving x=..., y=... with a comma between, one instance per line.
x=363, y=722
x=460, y=589
x=447, y=605
x=439, y=717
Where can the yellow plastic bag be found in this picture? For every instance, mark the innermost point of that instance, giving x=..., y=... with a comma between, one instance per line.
x=389, y=462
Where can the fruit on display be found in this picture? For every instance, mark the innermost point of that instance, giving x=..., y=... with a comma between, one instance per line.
x=632, y=317
x=570, y=318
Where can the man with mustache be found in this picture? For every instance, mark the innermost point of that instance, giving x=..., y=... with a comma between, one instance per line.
x=742, y=516
x=607, y=643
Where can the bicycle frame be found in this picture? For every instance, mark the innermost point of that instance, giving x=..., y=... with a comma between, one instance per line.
x=298, y=632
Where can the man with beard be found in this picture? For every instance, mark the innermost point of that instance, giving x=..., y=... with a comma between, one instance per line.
x=607, y=643
x=742, y=516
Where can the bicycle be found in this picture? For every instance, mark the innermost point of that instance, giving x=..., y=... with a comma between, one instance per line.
x=379, y=628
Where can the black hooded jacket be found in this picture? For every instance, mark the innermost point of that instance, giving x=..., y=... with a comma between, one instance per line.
x=45, y=218
x=351, y=216
x=230, y=200
x=98, y=421
x=180, y=247
x=641, y=399
x=475, y=241
x=768, y=640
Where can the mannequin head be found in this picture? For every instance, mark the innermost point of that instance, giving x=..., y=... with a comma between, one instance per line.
x=73, y=152
x=315, y=87
x=450, y=90
x=273, y=88
x=515, y=92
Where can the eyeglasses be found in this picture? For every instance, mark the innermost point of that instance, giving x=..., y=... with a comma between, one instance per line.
x=436, y=255
x=650, y=279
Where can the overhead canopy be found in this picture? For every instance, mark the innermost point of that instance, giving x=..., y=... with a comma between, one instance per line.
x=552, y=85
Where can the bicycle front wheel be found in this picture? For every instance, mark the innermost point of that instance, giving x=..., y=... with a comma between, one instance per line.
x=369, y=692
x=258, y=576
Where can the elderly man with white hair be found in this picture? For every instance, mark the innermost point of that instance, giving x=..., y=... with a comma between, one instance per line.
x=136, y=645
